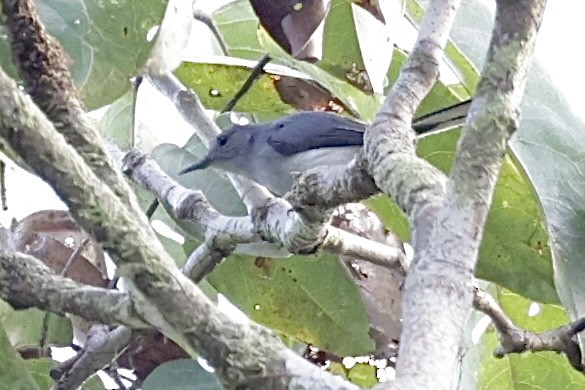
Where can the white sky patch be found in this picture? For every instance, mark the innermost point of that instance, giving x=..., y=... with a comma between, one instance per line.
x=203, y=363
x=229, y=309
x=151, y=33
x=479, y=329
x=166, y=231
x=534, y=309
x=348, y=362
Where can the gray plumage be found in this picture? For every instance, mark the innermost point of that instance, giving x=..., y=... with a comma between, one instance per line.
x=269, y=152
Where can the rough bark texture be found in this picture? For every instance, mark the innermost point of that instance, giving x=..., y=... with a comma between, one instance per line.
x=155, y=277
x=442, y=272
x=448, y=219
x=42, y=64
x=26, y=282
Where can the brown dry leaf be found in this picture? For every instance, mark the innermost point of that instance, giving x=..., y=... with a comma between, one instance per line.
x=306, y=95
x=292, y=24
x=149, y=352
x=373, y=7
x=52, y=236
x=379, y=287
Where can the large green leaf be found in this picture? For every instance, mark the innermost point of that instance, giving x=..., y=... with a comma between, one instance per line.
x=13, y=372
x=106, y=41
x=214, y=184
x=238, y=26
x=26, y=327
x=116, y=124
x=216, y=84
x=306, y=298
x=355, y=43
x=40, y=369
x=514, y=251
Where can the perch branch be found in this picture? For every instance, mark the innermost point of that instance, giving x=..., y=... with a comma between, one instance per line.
x=447, y=244
x=514, y=339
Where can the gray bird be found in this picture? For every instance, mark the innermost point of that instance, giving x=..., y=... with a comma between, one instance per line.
x=269, y=152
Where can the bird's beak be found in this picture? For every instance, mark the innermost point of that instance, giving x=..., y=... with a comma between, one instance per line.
x=201, y=164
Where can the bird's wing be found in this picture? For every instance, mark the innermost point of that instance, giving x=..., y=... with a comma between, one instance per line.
x=312, y=130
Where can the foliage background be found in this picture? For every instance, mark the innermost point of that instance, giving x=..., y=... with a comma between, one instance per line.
x=564, y=69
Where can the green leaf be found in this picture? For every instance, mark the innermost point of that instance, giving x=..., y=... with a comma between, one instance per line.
x=514, y=251
x=183, y=374
x=309, y=299
x=25, y=327
x=214, y=184
x=542, y=370
x=363, y=375
x=13, y=373
x=464, y=68
x=93, y=383
x=237, y=24
x=355, y=43
x=106, y=41
x=40, y=368
x=116, y=124
x=361, y=104
x=216, y=84
x=341, y=48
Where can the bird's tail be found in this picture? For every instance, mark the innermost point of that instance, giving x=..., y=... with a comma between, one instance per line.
x=442, y=119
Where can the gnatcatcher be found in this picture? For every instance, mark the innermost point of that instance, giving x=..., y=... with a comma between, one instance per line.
x=269, y=152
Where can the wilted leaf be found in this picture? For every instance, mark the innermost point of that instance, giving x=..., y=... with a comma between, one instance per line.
x=292, y=24
x=149, y=352
x=379, y=287
x=52, y=236
x=306, y=95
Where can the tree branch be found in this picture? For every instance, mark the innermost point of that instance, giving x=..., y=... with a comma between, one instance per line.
x=154, y=276
x=225, y=232
x=42, y=64
x=26, y=282
x=442, y=272
x=101, y=347
x=514, y=339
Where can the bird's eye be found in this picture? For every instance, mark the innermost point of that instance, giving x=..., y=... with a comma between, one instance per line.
x=221, y=140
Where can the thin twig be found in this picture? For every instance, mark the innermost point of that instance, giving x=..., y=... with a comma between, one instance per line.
x=514, y=339
x=3, y=201
x=203, y=260
x=74, y=255
x=256, y=73
x=208, y=21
